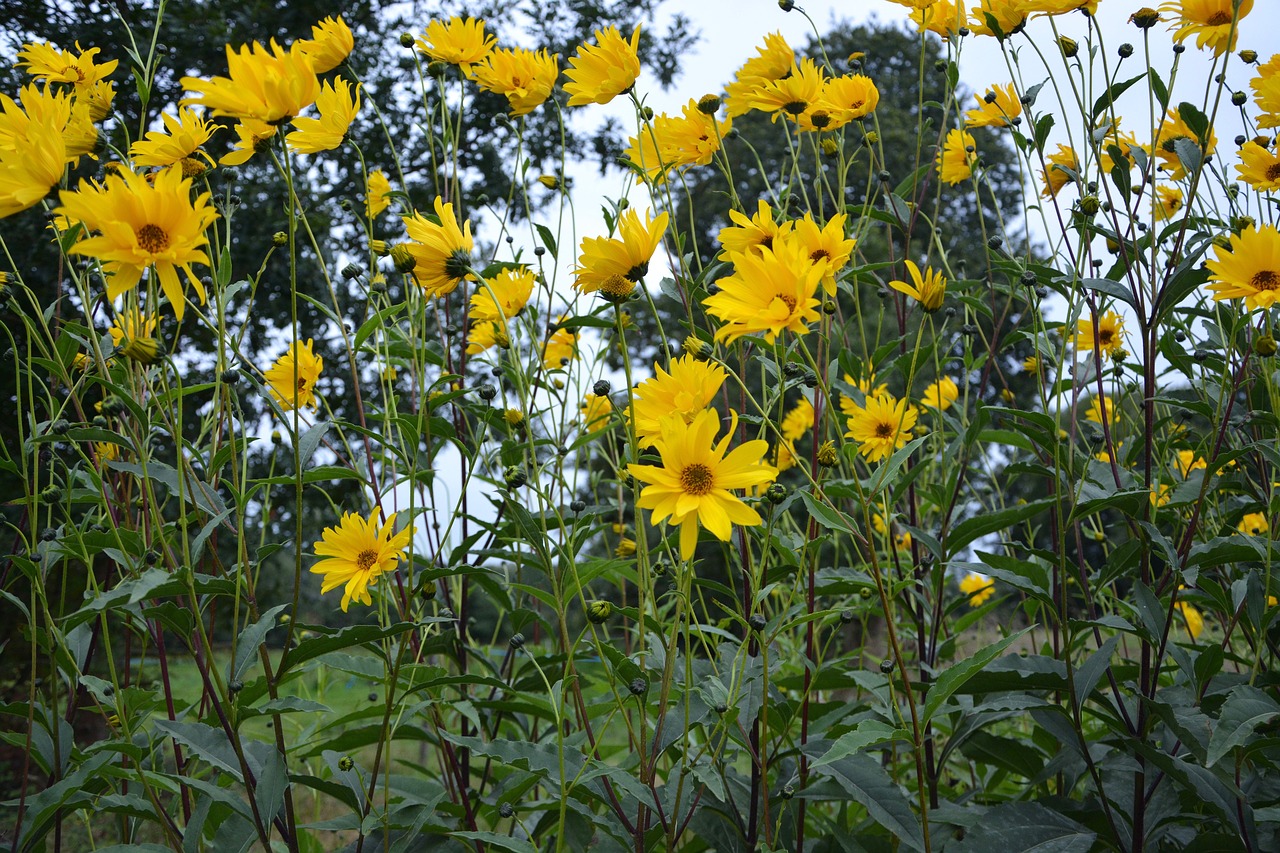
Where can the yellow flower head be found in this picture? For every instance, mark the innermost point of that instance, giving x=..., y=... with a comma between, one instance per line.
x=694, y=484
x=377, y=194
x=1194, y=619
x=956, y=157
x=1212, y=22
x=686, y=390
x=596, y=411
x=826, y=246
x=524, y=77
x=356, y=553
x=45, y=62
x=598, y=73
x=560, y=349
x=338, y=103
x=848, y=98
x=772, y=61
x=943, y=17
x=1188, y=461
x=459, y=42
x=798, y=421
x=441, y=250
x=626, y=255
x=1100, y=408
x=1168, y=202
x=1062, y=7
x=928, y=289
x=270, y=85
x=181, y=138
x=1266, y=92
x=1107, y=335
x=1254, y=524
x=998, y=108
x=134, y=335
x=978, y=588
x=140, y=224
x=790, y=95
x=673, y=142
x=1031, y=364
x=626, y=547
x=1259, y=167
x=1009, y=17
x=252, y=136
x=483, y=336
x=504, y=296
x=97, y=98
x=941, y=394
x=768, y=293
x=880, y=426
x=1250, y=268
x=1166, y=148
x=751, y=235
x=105, y=451
x=292, y=379
x=33, y=147
x=1056, y=175
x=330, y=44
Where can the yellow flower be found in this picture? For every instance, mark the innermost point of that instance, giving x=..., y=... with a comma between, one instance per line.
x=524, y=77
x=1010, y=16
x=686, y=390
x=1187, y=461
x=504, y=296
x=1055, y=174
x=1166, y=149
x=1250, y=268
x=901, y=542
x=626, y=547
x=1107, y=336
x=45, y=62
x=1031, y=364
x=483, y=336
x=956, y=157
x=1259, y=167
x=978, y=588
x=338, y=104
x=33, y=149
x=330, y=44
x=867, y=385
x=1210, y=21
x=271, y=86
x=356, y=553
x=459, y=42
x=599, y=73
x=880, y=426
x=294, y=375
x=134, y=335
x=770, y=293
x=560, y=349
x=1062, y=7
x=97, y=98
x=141, y=224
x=252, y=136
x=1169, y=202
x=827, y=246
x=1125, y=143
x=181, y=138
x=941, y=394
x=626, y=255
x=750, y=235
x=1266, y=92
x=693, y=485
x=772, y=61
x=1100, y=408
x=943, y=17
x=441, y=250
x=997, y=108
x=105, y=451
x=928, y=289
x=673, y=142
x=596, y=411
x=847, y=98
x=791, y=94
x=784, y=459
x=1193, y=619
x=799, y=420
x=1254, y=524
x=377, y=193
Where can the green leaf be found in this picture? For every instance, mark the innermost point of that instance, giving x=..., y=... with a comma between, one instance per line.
x=990, y=522
x=866, y=782
x=883, y=477
x=1246, y=708
x=375, y=322
x=865, y=734
x=205, y=742
x=955, y=676
x=250, y=640
x=502, y=842
x=1115, y=90
x=310, y=440
x=198, y=492
x=1111, y=288
x=1043, y=126
x=1089, y=673
x=1026, y=828
x=548, y=239
x=353, y=635
x=1190, y=154
x=1160, y=89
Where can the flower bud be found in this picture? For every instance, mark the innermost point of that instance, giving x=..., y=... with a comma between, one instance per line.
x=1145, y=18
x=514, y=418
x=1125, y=50
x=830, y=147
x=776, y=494
x=827, y=455
x=886, y=665
x=350, y=272
x=514, y=477
x=1239, y=98
x=598, y=612
x=345, y=763
x=506, y=810
x=406, y=39
x=1089, y=205
x=516, y=641
x=757, y=622
x=709, y=104
x=1265, y=346
x=638, y=686
x=1249, y=56
x=601, y=388
x=1068, y=46
x=402, y=258
x=279, y=239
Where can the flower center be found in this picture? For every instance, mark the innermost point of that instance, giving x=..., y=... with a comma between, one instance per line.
x=366, y=559
x=302, y=383
x=152, y=238
x=1106, y=336
x=820, y=255
x=788, y=300
x=1218, y=19
x=617, y=286
x=638, y=271
x=795, y=108
x=192, y=168
x=1170, y=144
x=1273, y=172
x=1266, y=280
x=455, y=266
x=884, y=429
x=697, y=479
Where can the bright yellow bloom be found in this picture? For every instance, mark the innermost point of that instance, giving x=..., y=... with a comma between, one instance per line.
x=356, y=553
x=626, y=255
x=998, y=108
x=1062, y=7
x=1010, y=16
x=441, y=250
x=143, y=223
x=459, y=42
x=45, y=62
x=504, y=296
x=768, y=293
x=598, y=73
x=524, y=77
x=270, y=85
x=181, y=138
x=1100, y=408
x=105, y=451
x=293, y=377
x=596, y=411
x=330, y=44
x=901, y=542
x=943, y=17
x=880, y=426
x=134, y=335
x=338, y=103
x=847, y=98
x=941, y=394
x=560, y=349
x=1266, y=92
x=792, y=94
x=1254, y=524
x=1210, y=21
x=772, y=61
x=693, y=485
x=1031, y=364
x=798, y=421
x=977, y=588
x=252, y=136
x=867, y=385
x=686, y=390
x=626, y=547
x=928, y=289
x=1169, y=202
x=1193, y=618
x=377, y=194
x=750, y=235
x=1259, y=167
x=1166, y=150
x=1107, y=336
x=1056, y=175
x=673, y=142
x=33, y=147
x=97, y=98
x=956, y=157
x=483, y=336
x=1249, y=269
x=1188, y=461
x=827, y=245
x=784, y=459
